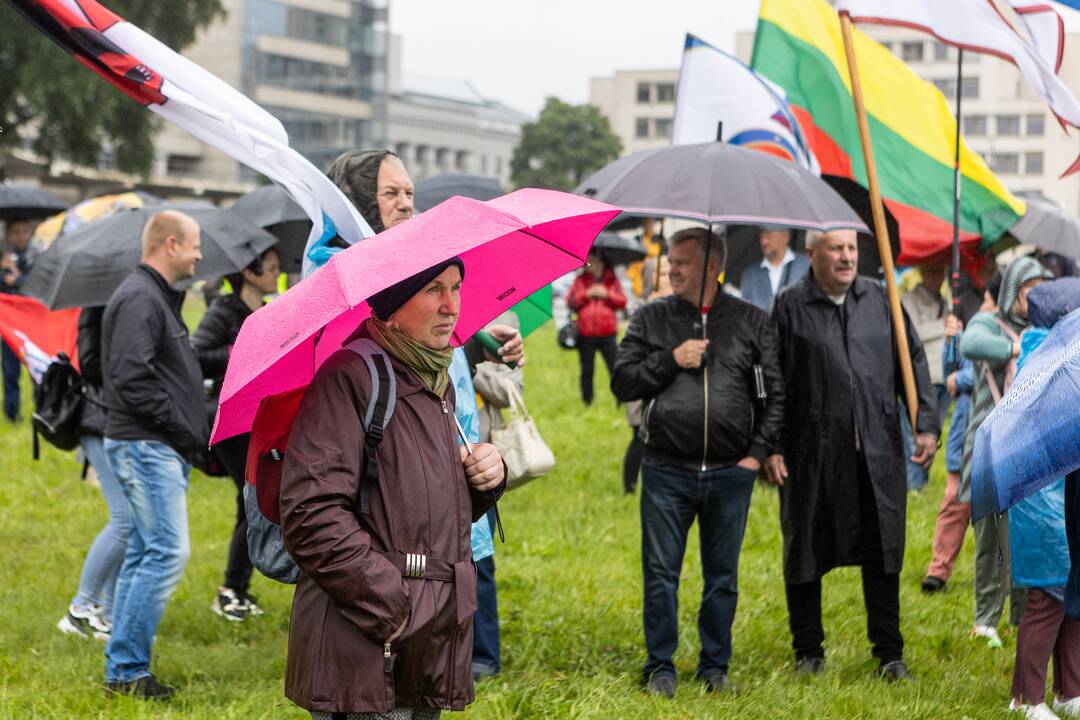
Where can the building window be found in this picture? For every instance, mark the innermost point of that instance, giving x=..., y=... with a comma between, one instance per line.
x=1005, y=163
x=461, y=161
x=1036, y=124
x=644, y=93
x=641, y=128
x=498, y=166
x=1033, y=163
x=182, y=164
x=975, y=125
x=663, y=127
x=665, y=92
x=969, y=87
x=941, y=51
x=1008, y=124
x=483, y=164
x=947, y=87
x=911, y=51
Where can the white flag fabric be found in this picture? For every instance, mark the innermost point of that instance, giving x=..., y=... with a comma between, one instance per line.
x=196, y=100
x=1033, y=43
x=715, y=87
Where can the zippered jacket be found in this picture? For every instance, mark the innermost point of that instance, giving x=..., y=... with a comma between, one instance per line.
x=365, y=636
x=702, y=419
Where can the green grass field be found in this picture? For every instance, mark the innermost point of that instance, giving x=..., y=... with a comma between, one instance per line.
x=569, y=592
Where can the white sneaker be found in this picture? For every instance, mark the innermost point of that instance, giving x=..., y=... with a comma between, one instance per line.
x=1068, y=708
x=991, y=635
x=85, y=622
x=1041, y=711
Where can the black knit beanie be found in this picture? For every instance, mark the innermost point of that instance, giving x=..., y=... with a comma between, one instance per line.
x=385, y=302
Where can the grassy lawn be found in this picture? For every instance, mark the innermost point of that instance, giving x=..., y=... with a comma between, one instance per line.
x=569, y=592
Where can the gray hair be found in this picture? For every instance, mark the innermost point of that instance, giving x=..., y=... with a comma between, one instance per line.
x=698, y=235
x=813, y=237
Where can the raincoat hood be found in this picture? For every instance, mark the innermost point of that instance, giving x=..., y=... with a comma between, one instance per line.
x=1016, y=274
x=356, y=173
x=1052, y=301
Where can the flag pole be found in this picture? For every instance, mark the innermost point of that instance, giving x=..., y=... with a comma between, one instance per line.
x=881, y=230
x=952, y=361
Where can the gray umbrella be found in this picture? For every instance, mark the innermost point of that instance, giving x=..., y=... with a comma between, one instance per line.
x=273, y=210
x=1049, y=228
x=83, y=268
x=433, y=191
x=22, y=202
x=719, y=183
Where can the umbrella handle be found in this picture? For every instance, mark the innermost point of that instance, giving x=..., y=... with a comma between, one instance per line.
x=489, y=343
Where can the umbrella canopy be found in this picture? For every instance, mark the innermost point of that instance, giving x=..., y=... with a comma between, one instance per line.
x=84, y=268
x=429, y=193
x=1049, y=228
x=511, y=246
x=22, y=202
x=1029, y=440
x=720, y=183
x=88, y=211
x=272, y=209
x=619, y=250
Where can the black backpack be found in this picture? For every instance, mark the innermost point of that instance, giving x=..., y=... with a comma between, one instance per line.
x=58, y=405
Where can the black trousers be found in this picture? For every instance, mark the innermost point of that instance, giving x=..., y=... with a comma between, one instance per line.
x=881, y=593
x=238, y=569
x=587, y=347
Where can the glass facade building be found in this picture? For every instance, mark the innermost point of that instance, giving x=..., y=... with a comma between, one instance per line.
x=338, y=51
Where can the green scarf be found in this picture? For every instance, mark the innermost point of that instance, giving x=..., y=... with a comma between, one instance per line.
x=431, y=366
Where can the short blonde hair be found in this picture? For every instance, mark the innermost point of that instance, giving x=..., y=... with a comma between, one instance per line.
x=162, y=226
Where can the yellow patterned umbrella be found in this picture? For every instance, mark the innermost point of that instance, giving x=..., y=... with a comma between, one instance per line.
x=87, y=211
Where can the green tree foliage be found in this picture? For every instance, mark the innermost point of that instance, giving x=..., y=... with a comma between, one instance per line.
x=565, y=145
x=69, y=111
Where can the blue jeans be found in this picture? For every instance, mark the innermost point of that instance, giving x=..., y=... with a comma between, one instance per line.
x=671, y=497
x=12, y=368
x=154, y=479
x=100, y=570
x=485, y=659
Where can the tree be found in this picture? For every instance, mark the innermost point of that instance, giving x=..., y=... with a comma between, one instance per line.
x=565, y=145
x=68, y=111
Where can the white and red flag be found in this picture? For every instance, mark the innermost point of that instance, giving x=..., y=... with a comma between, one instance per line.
x=190, y=97
x=36, y=333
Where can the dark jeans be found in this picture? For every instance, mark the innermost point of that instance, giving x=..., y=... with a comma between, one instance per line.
x=238, y=569
x=485, y=659
x=881, y=594
x=587, y=347
x=631, y=467
x=671, y=497
x=12, y=368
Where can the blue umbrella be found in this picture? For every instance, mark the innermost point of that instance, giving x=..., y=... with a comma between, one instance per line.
x=1032, y=437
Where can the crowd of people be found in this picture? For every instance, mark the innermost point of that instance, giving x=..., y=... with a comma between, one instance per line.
x=791, y=377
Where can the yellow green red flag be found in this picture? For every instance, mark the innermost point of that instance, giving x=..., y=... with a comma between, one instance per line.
x=799, y=47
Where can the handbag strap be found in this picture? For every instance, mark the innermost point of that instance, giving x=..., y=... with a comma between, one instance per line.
x=513, y=394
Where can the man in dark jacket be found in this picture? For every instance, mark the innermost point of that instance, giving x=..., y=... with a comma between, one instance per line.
x=16, y=258
x=156, y=424
x=713, y=408
x=843, y=501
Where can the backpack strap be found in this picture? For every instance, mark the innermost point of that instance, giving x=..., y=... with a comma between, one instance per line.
x=1010, y=367
x=379, y=411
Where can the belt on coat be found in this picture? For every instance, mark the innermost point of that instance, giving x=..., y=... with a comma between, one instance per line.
x=461, y=574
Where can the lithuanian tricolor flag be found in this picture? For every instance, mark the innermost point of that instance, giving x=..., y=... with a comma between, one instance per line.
x=799, y=47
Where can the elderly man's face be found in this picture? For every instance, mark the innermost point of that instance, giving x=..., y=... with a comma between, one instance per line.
x=835, y=259
x=774, y=243
x=18, y=234
x=429, y=316
x=394, y=191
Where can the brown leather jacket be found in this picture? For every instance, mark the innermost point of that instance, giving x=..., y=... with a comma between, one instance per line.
x=347, y=649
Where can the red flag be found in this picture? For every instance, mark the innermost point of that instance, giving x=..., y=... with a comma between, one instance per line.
x=37, y=334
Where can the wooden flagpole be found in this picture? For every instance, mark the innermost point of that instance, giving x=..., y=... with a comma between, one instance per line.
x=881, y=230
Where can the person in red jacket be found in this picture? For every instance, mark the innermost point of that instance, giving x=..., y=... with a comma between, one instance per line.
x=595, y=296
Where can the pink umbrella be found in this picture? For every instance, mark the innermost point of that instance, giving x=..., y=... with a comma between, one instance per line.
x=511, y=247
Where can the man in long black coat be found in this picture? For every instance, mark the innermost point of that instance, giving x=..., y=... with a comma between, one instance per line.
x=840, y=462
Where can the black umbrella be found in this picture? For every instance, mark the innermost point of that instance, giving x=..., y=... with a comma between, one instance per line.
x=431, y=192
x=858, y=198
x=83, y=268
x=617, y=249
x=272, y=209
x=22, y=202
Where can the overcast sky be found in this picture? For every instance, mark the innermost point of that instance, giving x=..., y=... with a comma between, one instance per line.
x=521, y=51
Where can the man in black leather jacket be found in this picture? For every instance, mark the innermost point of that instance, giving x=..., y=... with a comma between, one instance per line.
x=710, y=382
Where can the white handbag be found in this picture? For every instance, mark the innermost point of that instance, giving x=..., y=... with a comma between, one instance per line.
x=526, y=454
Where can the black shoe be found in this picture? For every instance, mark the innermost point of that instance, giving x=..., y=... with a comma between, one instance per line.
x=715, y=681
x=661, y=684
x=931, y=584
x=145, y=688
x=896, y=671
x=809, y=666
